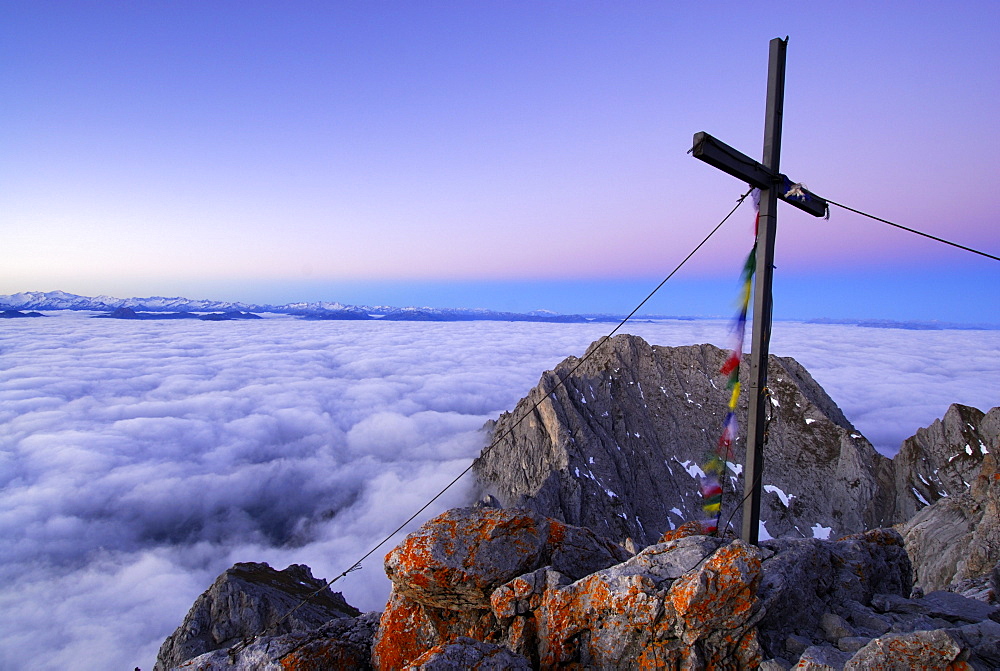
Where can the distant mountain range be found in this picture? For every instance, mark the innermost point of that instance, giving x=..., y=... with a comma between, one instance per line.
x=158, y=307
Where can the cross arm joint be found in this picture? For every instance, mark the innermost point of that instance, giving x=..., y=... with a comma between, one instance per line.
x=718, y=154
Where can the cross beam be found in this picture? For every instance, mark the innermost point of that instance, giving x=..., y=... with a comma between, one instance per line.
x=773, y=185
x=717, y=153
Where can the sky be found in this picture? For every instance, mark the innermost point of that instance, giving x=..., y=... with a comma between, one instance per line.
x=509, y=155
x=139, y=460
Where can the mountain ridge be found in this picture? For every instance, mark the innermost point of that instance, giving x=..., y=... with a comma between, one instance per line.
x=322, y=310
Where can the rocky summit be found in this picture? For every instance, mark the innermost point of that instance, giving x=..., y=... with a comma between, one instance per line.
x=585, y=551
x=616, y=444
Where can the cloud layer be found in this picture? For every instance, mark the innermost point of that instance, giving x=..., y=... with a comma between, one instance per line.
x=139, y=460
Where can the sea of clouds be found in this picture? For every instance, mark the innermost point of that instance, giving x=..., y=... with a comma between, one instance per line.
x=138, y=460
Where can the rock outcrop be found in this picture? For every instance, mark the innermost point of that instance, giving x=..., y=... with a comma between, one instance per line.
x=341, y=643
x=617, y=448
x=957, y=538
x=690, y=602
x=554, y=604
x=483, y=588
x=445, y=573
x=250, y=600
x=944, y=459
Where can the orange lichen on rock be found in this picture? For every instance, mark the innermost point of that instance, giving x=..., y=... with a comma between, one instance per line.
x=456, y=560
x=404, y=634
x=932, y=650
x=683, y=531
x=627, y=617
x=886, y=537
x=729, y=576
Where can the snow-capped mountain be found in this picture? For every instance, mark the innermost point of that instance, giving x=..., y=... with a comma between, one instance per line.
x=61, y=300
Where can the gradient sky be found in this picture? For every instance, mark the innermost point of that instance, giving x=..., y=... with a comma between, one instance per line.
x=505, y=155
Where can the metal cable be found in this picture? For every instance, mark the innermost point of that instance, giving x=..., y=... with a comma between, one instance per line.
x=593, y=350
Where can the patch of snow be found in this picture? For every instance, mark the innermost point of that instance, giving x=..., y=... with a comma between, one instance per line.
x=855, y=435
x=692, y=468
x=590, y=460
x=677, y=511
x=577, y=472
x=822, y=532
x=919, y=497
x=762, y=531
x=785, y=498
x=810, y=420
x=968, y=450
x=583, y=400
x=774, y=402
x=735, y=468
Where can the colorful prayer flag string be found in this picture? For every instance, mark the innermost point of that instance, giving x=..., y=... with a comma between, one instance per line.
x=714, y=467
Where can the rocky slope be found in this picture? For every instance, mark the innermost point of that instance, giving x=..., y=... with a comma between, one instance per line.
x=610, y=459
x=480, y=588
x=617, y=448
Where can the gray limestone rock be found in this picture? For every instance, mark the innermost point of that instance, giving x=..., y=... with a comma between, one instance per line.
x=935, y=649
x=342, y=643
x=943, y=459
x=957, y=538
x=852, y=643
x=835, y=627
x=822, y=658
x=466, y=653
x=251, y=599
x=814, y=590
x=618, y=447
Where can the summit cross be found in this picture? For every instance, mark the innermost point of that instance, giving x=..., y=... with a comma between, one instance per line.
x=773, y=185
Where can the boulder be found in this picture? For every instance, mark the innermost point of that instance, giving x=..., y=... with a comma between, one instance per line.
x=445, y=573
x=657, y=610
x=457, y=559
x=557, y=595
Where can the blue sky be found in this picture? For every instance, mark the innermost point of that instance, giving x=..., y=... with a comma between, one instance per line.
x=502, y=155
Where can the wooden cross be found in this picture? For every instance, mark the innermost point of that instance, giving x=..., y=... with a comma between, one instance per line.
x=773, y=185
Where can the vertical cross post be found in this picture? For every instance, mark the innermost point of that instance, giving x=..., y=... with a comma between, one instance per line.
x=761, y=333
x=773, y=186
